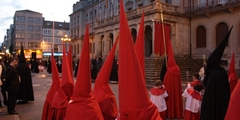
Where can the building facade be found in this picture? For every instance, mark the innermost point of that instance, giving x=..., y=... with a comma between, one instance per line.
x=197, y=26
x=27, y=31
x=60, y=29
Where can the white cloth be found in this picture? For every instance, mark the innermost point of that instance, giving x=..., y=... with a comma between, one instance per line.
x=159, y=101
x=192, y=104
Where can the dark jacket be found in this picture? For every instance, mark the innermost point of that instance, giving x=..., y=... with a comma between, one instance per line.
x=12, y=79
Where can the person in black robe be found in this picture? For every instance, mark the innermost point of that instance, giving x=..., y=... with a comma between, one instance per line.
x=25, y=88
x=49, y=66
x=114, y=72
x=76, y=69
x=163, y=70
x=217, y=90
x=94, y=70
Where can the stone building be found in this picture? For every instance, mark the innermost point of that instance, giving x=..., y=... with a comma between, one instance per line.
x=27, y=31
x=197, y=26
x=60, y=29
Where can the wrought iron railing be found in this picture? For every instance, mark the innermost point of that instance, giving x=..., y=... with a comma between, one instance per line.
x=209, y=4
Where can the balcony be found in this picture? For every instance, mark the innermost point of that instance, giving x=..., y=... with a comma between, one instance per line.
x=211, y=6
x=74, y=37
x=155, y=6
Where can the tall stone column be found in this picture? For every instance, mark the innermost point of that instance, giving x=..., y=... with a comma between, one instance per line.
x=153, y=37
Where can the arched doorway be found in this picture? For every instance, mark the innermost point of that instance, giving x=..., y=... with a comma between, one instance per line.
x=148, y=41
x=221, y=31
x=101, y=45
x=201, y=37
x=74, y=49
x=134, y=34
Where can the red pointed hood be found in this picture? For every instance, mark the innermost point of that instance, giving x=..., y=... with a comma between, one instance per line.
x=102, y=91
x=67, y=80
x=55, y=81
x=172, y=82
x=69, y=56
x=47, y=108
x=232, y=71
x=232, y=75
x=233, y=110
x=65, y=91
x=83, y=104
x=134, y=101
x=83, y=80
x=139, y=45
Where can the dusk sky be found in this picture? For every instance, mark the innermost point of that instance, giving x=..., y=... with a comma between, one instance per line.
x=57, y=10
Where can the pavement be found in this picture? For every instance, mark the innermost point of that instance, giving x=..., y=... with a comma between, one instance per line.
x=33, y=109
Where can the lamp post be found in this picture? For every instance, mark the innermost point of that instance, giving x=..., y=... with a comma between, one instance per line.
x=52, y=32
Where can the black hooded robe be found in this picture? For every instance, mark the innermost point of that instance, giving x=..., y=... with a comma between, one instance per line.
x=217, y=88
x=26, y=88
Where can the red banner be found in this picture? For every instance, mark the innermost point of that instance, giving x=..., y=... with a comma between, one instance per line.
x=159, y=47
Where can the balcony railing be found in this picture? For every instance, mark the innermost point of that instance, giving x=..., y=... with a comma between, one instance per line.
x=152, y=7
x=209, y=4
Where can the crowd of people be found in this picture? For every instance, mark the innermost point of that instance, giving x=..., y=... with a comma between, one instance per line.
x=16, y=82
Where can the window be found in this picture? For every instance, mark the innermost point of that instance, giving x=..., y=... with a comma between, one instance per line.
x=37, y=28
x=30, y=36
x=20, y=27
x=33, y=44
x=49, y=32
x=19, y=35
x=48, y=24
x=77, y=48
x=38, y=20
x=221, y=31
x=201, y=37
x=18, y=44
x=169, y=1
x=86, y=17
x=20, y=18
x=30, y=28
x=37, y=36
x=30, y=19
x=45, y=32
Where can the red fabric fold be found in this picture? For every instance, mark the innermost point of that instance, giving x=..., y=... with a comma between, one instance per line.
x=195, y=82
x=233, y=111
x=83, y=105
x=194, y=94
x=232, y=75
x=161, y=30
x=139, y=46
x=134, y=101
x=64, y=93
x=102, y=91
x=69, y=56
x=172, y=82
x=47, y=113
x=157, y=91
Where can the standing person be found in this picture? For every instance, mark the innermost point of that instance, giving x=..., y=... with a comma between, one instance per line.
x=193, y=102
x=158, y=95
x=25, y=88
x=195, y=80
x=12, y=84
x=3, y=80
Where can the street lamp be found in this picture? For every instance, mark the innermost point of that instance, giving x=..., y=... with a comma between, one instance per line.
x=66, y=39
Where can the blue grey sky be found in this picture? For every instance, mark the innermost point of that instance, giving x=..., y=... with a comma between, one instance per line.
x=57, y=10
